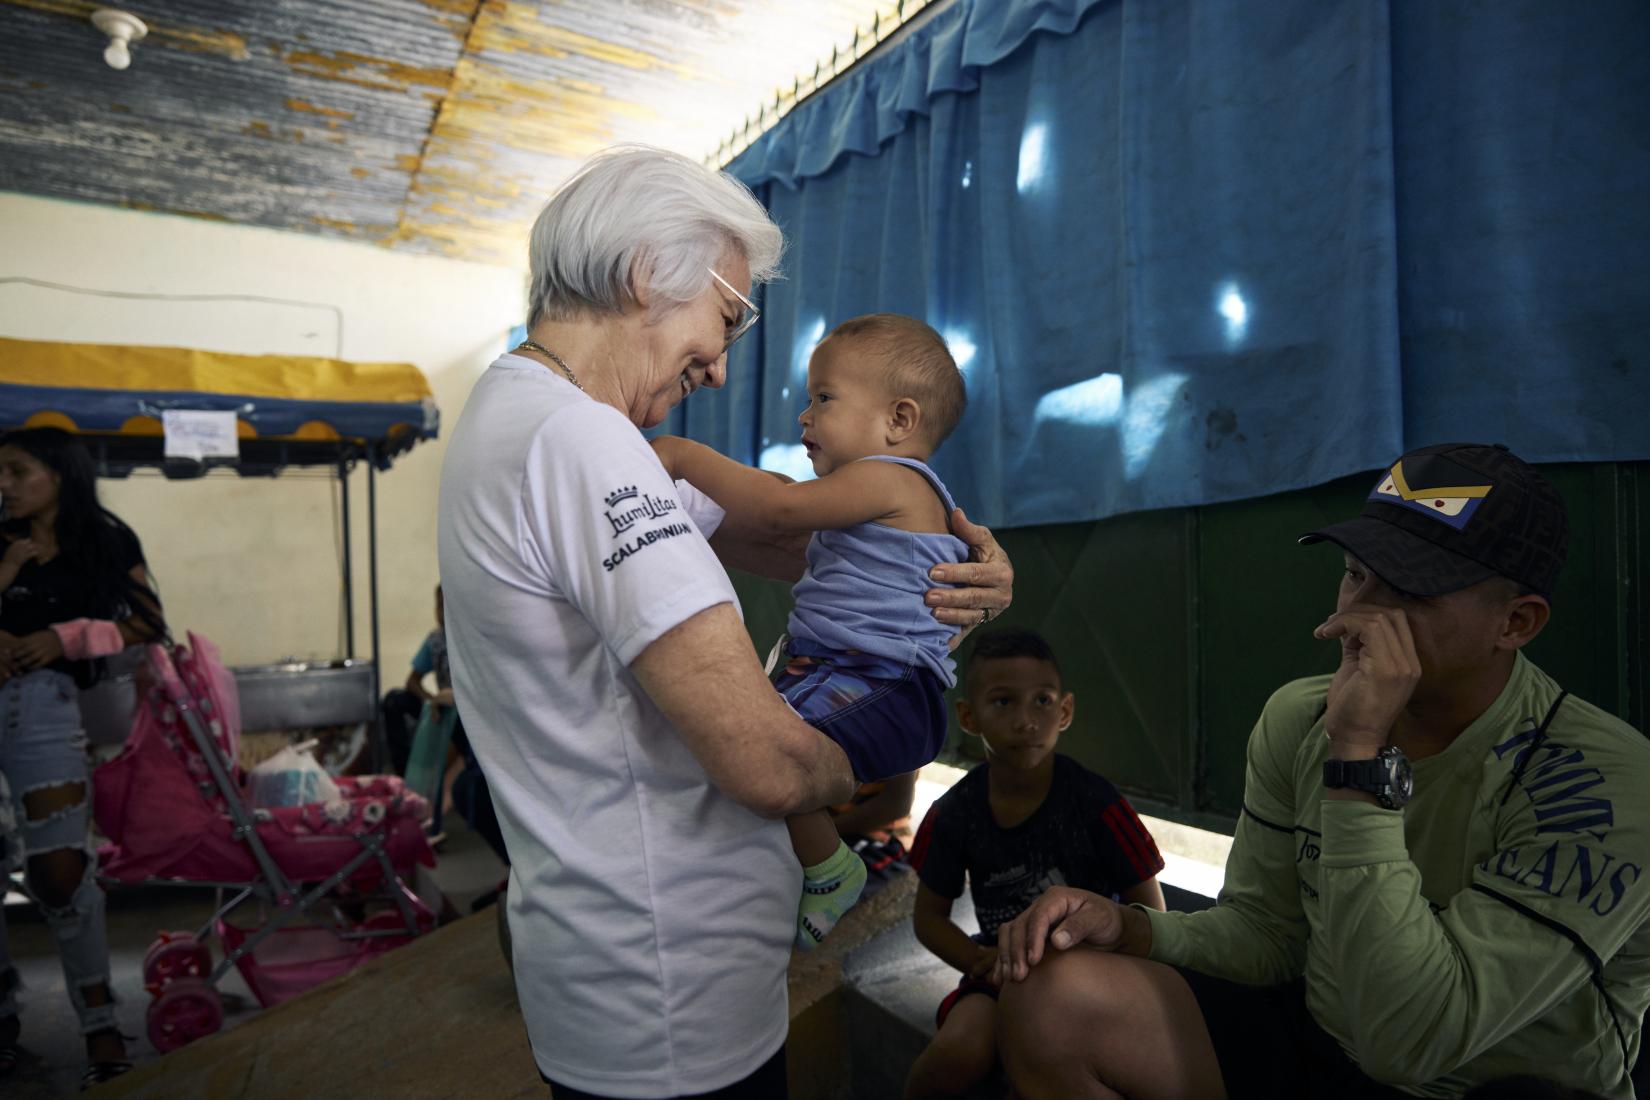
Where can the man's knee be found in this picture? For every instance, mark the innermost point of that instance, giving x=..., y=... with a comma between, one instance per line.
x=1046, y=1024
x=1067, y=991
x=1074, y=1008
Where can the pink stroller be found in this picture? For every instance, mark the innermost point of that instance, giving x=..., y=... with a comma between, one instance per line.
x=327, y=877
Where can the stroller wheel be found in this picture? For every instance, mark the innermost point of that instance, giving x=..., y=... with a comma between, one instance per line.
x=175, y=955
x=186, y=1010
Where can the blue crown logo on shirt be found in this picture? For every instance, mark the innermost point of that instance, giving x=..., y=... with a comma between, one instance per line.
x=628, y=492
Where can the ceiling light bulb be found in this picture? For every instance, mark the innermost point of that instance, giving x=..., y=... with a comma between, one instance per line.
x=123, y=28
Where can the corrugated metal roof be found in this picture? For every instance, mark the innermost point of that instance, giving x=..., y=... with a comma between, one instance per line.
x=429, y=125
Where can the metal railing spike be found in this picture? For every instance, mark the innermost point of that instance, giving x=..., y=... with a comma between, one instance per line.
x=882, y=26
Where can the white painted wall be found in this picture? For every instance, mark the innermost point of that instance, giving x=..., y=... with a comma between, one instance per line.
x=253, y=563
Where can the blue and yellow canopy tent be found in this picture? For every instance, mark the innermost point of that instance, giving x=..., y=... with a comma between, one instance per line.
x=290, y=411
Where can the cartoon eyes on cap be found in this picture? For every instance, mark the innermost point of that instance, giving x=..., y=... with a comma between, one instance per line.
x=1445, y=506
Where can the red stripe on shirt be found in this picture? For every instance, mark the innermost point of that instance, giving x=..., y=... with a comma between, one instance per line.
x=1135, y=841
x=1154, y=858
x=925, y=834
x=1124, y=837
x=1148, y=843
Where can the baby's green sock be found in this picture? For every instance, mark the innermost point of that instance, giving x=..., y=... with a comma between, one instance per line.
x=829, y=889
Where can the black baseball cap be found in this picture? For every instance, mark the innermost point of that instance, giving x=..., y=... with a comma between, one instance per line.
x=1445, y=517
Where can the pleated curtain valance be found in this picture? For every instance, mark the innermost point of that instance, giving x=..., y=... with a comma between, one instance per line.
x=1189, y=251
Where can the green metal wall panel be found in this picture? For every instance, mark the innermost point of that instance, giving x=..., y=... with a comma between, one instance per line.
x=1174, y=627
x=1259, y=597
x=1581, y=646
x=1114, y=602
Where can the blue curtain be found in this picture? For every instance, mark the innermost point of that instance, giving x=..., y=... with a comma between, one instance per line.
x=1192, y=250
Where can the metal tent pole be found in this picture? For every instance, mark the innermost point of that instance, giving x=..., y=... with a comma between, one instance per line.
x=349, y=590
x=380, y=751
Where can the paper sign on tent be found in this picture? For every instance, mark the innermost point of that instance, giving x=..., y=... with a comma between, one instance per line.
x=198, y=434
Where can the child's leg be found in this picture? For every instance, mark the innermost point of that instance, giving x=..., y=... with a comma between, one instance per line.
x=813, y=836
x=832, y=876
x=961, y=1055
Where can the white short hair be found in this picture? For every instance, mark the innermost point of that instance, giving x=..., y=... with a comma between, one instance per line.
x=635, y=212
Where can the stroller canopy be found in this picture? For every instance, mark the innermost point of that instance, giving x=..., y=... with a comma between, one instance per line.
x=315, y=411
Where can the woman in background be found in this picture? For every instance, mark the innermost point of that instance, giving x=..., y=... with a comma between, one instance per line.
x=73, y=588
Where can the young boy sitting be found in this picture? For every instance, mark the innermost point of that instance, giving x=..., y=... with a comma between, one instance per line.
x=402, y=706
x=868, y=664
x=1023, y=821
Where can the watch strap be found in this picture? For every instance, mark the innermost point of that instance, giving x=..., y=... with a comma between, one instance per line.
x=1360, y=775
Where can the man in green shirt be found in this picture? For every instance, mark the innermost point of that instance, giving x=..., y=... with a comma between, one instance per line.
x=1436, y=879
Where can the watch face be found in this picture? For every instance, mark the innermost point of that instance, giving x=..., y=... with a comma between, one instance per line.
x=1400, y=778
x=1404, y=783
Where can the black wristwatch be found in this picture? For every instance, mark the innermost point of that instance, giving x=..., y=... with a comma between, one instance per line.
x=1388, y=777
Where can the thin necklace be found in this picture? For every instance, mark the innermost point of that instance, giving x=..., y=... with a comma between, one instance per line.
x=565, y=369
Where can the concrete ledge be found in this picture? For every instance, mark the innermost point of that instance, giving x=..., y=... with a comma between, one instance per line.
x=822, y=1050
x=435, y=1019
x=438, y=1019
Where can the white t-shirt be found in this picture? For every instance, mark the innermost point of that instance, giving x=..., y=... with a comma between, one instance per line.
x=651, y=915
x=707, y=514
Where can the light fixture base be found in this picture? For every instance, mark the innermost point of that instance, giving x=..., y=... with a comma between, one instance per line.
x=119, y=25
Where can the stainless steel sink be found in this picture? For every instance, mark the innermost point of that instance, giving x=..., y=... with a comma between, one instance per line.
x=300, y=694
x=290, y=695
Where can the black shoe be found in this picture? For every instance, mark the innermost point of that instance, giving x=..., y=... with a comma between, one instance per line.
x=99, y=1072
x=12, y=1053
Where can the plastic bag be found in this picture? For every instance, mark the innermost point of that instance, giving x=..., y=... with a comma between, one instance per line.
x=291, y=777
x=427, y=759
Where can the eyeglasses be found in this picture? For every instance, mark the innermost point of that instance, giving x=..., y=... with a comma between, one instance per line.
x=751, y=316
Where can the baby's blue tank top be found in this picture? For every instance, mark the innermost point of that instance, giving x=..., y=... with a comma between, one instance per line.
x=863, y=590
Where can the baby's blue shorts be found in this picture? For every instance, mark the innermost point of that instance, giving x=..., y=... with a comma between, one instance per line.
x=886, y=724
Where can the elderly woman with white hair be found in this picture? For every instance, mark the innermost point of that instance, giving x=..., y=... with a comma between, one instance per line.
x=639, y=759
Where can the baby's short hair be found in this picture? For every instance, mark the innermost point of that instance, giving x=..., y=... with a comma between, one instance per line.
x=919, y=366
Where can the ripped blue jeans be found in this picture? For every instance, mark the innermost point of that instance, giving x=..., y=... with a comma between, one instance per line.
x=42, y=746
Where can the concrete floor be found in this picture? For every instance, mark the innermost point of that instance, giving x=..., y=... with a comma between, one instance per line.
x=438, y=1020
x=861, y=1008
x=55, y=1056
